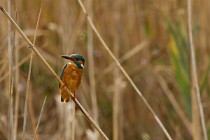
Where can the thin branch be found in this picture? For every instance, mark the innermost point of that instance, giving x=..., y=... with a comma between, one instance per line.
x=31, y=46
x=124, y=72
x=40, y=115
x=89, y=117
x=194, y=81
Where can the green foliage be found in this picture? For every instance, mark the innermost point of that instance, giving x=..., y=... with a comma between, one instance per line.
x=204, y=79
x=179, y=55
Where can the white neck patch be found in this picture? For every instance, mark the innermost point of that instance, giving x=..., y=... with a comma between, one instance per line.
x=82, y=65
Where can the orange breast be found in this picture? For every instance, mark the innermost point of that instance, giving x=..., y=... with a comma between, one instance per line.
x=72, y=79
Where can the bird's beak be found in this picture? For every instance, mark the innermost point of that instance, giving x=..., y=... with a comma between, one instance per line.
x=67, y=57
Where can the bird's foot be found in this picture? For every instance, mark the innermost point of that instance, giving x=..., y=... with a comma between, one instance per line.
x=62, y=100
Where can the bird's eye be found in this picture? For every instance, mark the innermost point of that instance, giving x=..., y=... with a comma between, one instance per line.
x=77, y=59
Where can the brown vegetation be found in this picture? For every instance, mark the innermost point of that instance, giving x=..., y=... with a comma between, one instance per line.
x=148, y=38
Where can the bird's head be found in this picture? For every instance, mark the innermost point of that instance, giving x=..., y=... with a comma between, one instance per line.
x=78, y=59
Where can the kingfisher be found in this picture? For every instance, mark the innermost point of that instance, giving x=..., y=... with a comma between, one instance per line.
x=71, y=75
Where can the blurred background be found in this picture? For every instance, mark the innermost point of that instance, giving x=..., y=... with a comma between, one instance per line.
x=149, y=38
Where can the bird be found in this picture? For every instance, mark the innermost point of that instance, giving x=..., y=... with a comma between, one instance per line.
x=71, y=75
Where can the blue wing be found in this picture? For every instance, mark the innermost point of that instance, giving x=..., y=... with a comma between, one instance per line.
x=62, y=73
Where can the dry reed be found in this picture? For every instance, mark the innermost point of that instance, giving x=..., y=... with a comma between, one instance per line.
x=149, y=39
x=197, y=118
x=124, y=72
x=31, y=46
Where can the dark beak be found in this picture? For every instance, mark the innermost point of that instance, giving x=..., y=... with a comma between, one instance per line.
x=67, y=57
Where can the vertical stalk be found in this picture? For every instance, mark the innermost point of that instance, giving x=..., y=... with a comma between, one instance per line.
x=15, y=42
x=197, y=118
x=30, y=104
x=32, y=47
x=116, y=75
x=73, y=121
x=123, y=70
x=16, y=92
x=91, y=69
x=10, y=80
x=116, y=98
x=40, y=115
x=28, y=100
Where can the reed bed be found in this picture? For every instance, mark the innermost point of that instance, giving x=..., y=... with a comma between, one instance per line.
x=162, y=47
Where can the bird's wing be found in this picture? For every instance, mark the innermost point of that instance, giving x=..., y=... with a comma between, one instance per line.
x=62, y=73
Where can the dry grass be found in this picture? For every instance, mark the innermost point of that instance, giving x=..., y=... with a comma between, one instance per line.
x=148, y=38
x=198, y=119
x=28, y=99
